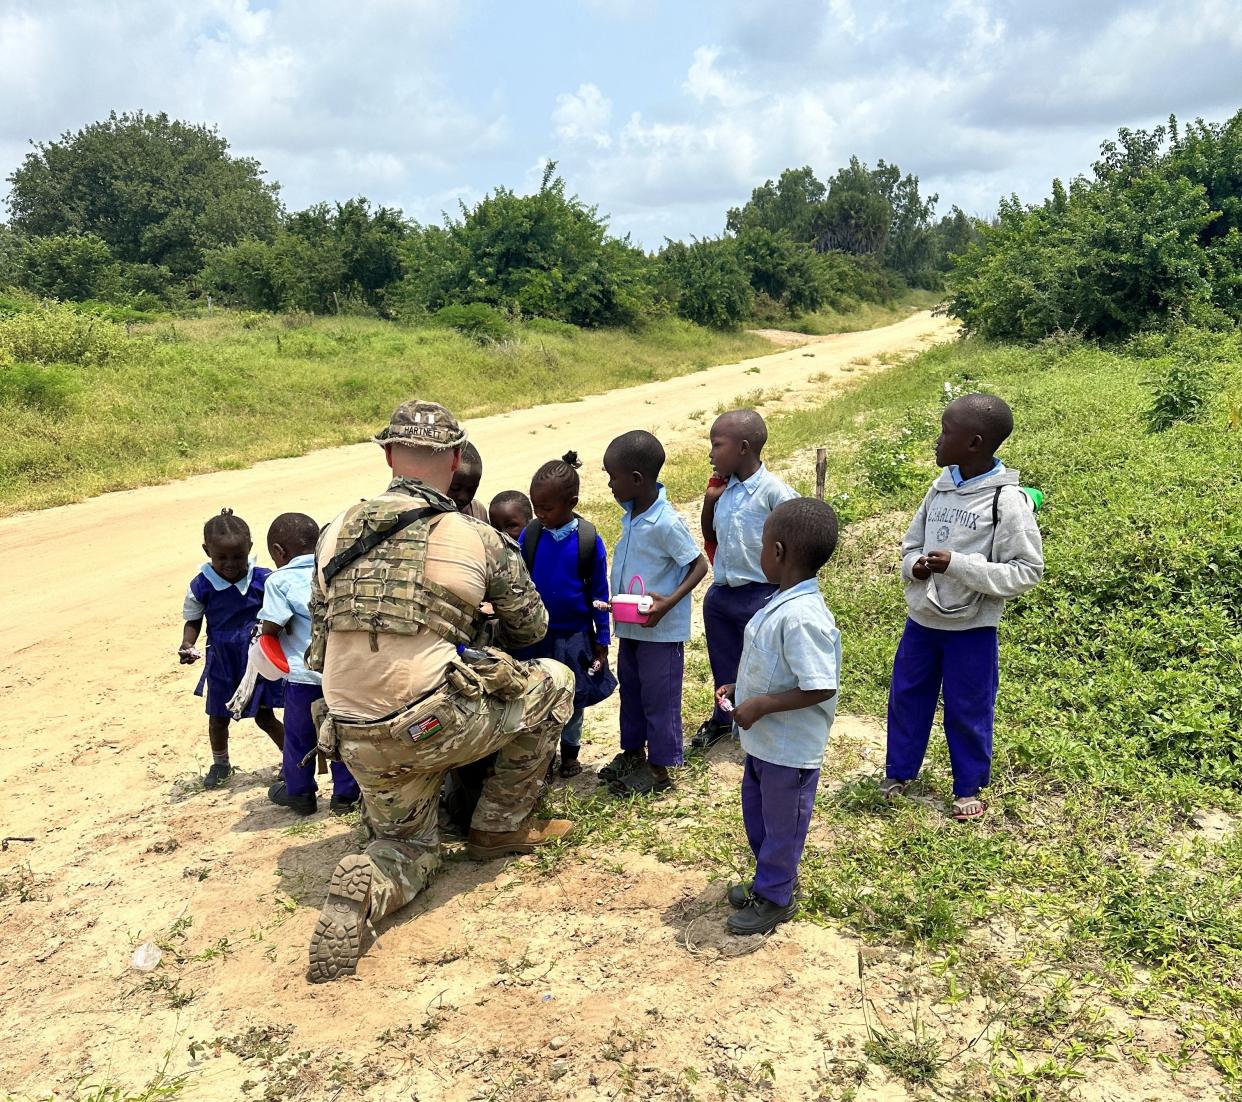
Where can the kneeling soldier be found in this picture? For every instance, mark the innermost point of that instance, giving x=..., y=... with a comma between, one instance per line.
x=395, y=609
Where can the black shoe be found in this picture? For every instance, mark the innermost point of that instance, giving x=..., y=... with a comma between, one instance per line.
x=299, y=805
x=760, y=916
x=741, y=894
x=217, y=775
x=710, y=733
x=342, y=805
x=622, y=765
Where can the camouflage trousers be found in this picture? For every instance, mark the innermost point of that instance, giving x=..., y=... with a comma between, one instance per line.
x=400, y=765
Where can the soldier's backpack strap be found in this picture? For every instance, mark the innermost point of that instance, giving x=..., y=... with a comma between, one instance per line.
x=365, y=544
x=586, y=550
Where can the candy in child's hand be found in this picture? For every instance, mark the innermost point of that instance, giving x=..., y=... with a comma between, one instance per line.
x=726, y=705
x=602, y=606
x=596, y=666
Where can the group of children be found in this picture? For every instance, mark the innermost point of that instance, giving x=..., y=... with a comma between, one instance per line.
x=773, y=646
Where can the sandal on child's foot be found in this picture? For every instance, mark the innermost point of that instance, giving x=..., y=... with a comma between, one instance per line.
x=892, y=787
x=625, y=762
x=968, y=808
x=643, y=781
x=570, y=768
x=217, y=775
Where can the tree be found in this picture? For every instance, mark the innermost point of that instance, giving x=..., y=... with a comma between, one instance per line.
x=154, y=190
x=792, y=205
x=546, y=254
x=856, y=216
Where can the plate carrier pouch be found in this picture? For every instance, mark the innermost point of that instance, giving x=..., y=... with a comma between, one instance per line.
x=376, y=578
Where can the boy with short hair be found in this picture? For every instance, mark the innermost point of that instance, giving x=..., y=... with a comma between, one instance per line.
x=973, y=544
x=285, y=614
x=734, y=513
x=784, y=702
x=465, y=484
x=510, y=512
x=655, y=545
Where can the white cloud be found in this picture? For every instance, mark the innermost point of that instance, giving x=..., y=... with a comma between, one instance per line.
x=583, y=116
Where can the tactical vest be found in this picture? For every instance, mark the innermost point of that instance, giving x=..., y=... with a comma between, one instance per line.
x=386, y=591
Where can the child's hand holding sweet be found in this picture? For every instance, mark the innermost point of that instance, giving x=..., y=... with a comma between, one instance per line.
x=749, y=712
x=188, y=654
x=937, y=561
x=601, y=657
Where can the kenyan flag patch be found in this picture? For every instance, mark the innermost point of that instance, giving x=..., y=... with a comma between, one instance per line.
x=428, y=728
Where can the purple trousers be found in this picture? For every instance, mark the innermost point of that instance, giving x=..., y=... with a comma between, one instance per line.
x=727, y=609
x=650, y=676
x=966, y=665
x=300, y=740
x=777, y=801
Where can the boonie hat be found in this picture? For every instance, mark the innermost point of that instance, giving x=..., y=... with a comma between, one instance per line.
x=422, y=425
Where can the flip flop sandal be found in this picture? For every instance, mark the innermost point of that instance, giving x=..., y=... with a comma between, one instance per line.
x=892, y=787
x=641, y=782
x=968, y=808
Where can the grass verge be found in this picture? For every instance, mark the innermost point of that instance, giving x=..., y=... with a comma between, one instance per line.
x=1105, y=885
x=89, y=407
x=866, y=315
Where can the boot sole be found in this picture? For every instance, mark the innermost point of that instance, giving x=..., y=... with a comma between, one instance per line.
x=336, y=944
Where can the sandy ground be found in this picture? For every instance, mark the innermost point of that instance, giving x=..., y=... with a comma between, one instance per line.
x=598, y=981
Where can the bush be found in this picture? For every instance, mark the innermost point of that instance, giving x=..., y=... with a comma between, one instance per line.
x=707, y=282
x=479, y=322
x=59, y=334
x=48, y=389
x=1153, y=238
x=67, y=266
x=1181, y=393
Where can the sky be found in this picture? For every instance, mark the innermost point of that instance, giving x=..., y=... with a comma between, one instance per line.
x=664, y=113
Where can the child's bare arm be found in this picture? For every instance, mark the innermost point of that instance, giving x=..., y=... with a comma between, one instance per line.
x=267, y=627
x=661, y=605
x=746, y=714
x=189, y=636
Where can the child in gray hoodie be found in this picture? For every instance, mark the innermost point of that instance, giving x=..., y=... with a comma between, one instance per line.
x=972, y=545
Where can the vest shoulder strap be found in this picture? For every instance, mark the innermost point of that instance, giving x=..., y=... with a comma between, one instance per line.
x=365, y=544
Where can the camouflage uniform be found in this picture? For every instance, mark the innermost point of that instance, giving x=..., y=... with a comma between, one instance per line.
x=464, y=707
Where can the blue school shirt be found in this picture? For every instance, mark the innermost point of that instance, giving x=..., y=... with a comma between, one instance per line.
x=657, y=546
x=286, y=601
x=558, y=583
x=738, y=521
x=791, y=643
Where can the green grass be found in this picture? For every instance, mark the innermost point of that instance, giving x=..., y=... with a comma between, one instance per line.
x=180, y=397
x=1120, y=713
x=866, y=315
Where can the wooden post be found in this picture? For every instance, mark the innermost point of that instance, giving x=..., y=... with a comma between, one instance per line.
x=821, y=471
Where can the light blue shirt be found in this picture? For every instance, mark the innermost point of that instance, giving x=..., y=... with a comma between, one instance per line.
x=656, y=546
x=194, y=609
x=956, y=474
x=286, y=601
x=791, y=643
x=738, y=521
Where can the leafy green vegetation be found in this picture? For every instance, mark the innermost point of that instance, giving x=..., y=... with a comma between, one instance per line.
x=1154, y=236
x=1119, y=722
x=89, y=407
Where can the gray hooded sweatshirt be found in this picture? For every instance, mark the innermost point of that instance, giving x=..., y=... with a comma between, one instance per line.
x=987, y=565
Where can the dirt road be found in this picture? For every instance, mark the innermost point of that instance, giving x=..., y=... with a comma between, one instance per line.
x=102, y=740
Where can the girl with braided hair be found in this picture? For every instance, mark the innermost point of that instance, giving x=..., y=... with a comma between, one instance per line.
x=569, y=566
x=227, y=593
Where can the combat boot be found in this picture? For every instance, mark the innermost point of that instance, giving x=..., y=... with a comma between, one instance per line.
x=336, y=944
x=483, y=845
